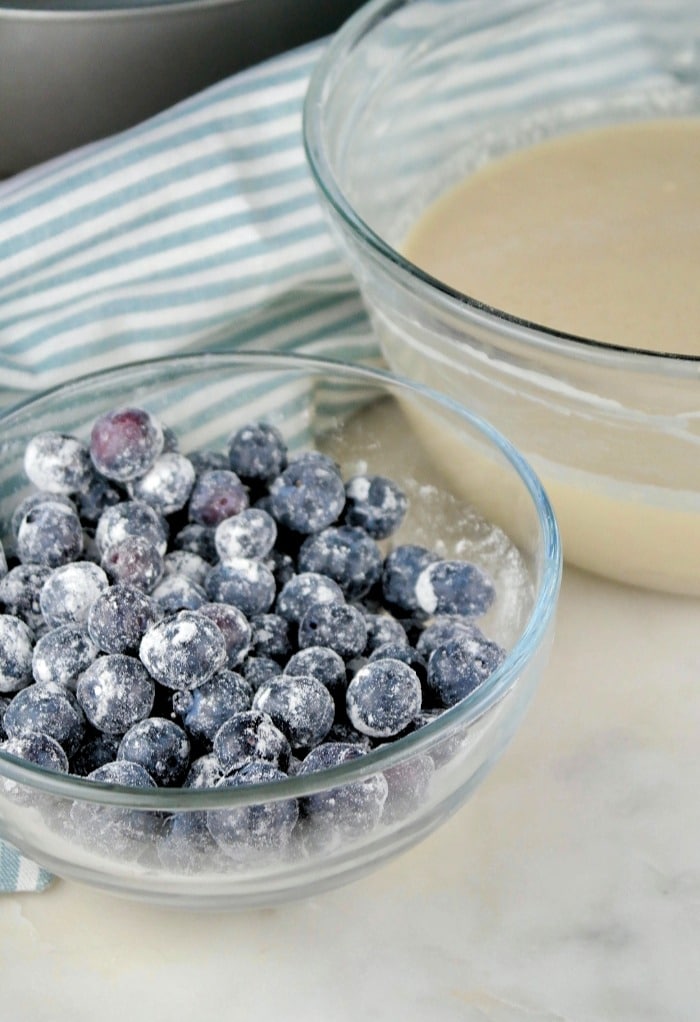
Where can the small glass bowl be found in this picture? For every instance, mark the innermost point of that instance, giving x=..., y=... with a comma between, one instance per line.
x=121, y=839
x=411, y=97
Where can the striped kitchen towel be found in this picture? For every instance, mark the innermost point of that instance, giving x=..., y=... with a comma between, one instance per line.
x=200, y=230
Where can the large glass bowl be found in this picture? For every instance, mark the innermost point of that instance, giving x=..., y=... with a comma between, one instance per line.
x=367, y=420
x=407, y=100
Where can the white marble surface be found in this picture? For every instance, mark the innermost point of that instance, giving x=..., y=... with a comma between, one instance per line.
x=568, y=888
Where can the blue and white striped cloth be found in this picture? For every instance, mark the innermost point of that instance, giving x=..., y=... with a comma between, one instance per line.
x=200, y=230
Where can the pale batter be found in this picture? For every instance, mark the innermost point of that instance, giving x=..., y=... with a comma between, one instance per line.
x=596, y=233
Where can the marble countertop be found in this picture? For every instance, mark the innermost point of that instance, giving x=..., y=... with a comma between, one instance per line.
x=568, y=888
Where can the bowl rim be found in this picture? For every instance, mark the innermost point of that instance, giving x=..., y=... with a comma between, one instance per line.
x=464, y=713
x=350, y=36
x=92, y=10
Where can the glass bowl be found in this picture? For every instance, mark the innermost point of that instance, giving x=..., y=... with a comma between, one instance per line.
x=408, y=99
x=156, y=844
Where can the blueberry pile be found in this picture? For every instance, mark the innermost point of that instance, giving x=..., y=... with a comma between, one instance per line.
x=224, y=619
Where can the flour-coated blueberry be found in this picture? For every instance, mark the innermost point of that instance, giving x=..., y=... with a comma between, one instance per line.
x=57, y=463
x=160, y=746
x=70, y=591
x=183, y=650
x=300, y=706
x=376, y=504
x=338, y=626
x=308, y=495
x=244, y=583
x=61, y=655
x=125, y=442
x=250, y=735
x=51, y=534
x=16, y=651
x=119, y=618
x=383, y=697
x=205, y=709
x=50, y=709
x=347, y=555
x=257, y=452
x=115, y=692
x=454, y=587
x=460, y=665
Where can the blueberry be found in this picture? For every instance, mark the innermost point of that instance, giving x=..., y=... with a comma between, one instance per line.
x=125, y=442
x=308, y=495
x=460, y=665
x=178, y=592
x=57, y=463
x=270, y=636
x=348, y=810
x=50, y=709
x=167, y=484
x=34, y=500
x=196, y=539
x=120, y=617
x=408, y=784
x=344, y=732
x=454, y=587
x=204, y=772
x=160, y=746
x=250, y=735
x=303, y=590
x=170, y=439
x=300, y=706
x=205, y=461
x=244, y=583
x=400, y=651
x=20, y=590
x=345, y=554
x=443, y=751
x=184, y=650
x=61, y=655
x=282, y=567
x=16, y=651
x=135, y=562
x=235, y=628
x=185, y=844
x=115, y=831
x=338, y=626
x=51, y=534
x=383, y=628
x=257, y=452
x=251, y=534
x=94, y=753
x=258, y=828
x=259, y=669
x=96, y=498
x=383, y=698
x=375, y=504
x=184, y=562
x=130, y=519
x=4, y=703
x=203, y=710
x=443, y=628
x=217, y=494
x=402, y=568
x=38, y=748
x=70, y=591
x=325, y=665
x=115, y=692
